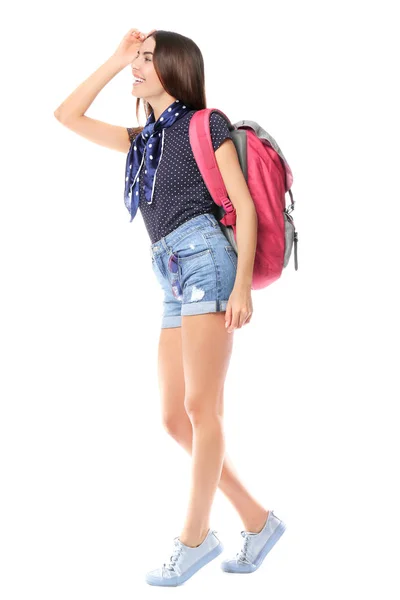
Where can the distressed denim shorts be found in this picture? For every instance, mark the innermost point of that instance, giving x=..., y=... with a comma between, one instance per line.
x=195, y=266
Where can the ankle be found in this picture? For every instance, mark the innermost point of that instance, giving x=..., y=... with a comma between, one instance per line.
x=256, y=522
x=195, y=539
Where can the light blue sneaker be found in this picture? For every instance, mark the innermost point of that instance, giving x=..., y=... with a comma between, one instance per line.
x=255, y=547
x=185, y=561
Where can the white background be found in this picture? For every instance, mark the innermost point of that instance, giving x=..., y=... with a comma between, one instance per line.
x=93, y=488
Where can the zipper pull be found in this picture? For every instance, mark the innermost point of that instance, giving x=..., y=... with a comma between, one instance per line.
x=296, y=266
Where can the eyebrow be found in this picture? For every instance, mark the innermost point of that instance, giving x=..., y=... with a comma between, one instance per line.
x=145, y=52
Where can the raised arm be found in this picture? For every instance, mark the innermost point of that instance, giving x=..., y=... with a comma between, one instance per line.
x=71, y=112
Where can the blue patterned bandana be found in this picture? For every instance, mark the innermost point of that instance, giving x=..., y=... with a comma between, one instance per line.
x=147, y=149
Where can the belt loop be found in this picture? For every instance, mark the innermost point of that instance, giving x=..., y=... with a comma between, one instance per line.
x=211, y=219
x=166, y=248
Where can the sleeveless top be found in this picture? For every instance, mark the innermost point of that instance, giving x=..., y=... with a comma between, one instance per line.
x=179, y=190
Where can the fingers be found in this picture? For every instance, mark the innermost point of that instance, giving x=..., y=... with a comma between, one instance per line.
x=238, y=320
x=136, y=32
x=233, y=323
x=228, y=316
x=247, y=321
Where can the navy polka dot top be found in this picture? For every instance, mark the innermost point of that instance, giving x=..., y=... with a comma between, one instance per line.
x=179, y=192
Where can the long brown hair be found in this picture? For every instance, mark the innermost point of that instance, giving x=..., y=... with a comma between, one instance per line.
x=179, y=65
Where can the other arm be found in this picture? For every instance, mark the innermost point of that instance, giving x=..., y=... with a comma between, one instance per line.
x=246, y=215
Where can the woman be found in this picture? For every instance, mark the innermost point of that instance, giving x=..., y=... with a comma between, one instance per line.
x=207, y=286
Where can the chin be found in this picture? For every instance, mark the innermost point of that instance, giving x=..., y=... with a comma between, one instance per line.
x=134, y=93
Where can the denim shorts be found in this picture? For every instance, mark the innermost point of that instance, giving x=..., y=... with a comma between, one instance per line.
x=195, y=266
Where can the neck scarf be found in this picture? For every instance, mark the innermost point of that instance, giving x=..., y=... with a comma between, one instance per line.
x=147, y=149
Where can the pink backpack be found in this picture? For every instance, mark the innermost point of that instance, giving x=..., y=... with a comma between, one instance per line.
x=268, y=178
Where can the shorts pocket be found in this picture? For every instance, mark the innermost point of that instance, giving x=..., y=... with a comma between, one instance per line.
x=197, y=276
x=232, y=255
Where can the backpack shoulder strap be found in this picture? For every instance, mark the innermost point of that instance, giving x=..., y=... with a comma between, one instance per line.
x=203, y=151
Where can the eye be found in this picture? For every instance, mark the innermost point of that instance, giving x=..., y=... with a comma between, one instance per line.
x=146, y=59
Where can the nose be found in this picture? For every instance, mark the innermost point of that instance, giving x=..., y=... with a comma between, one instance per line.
x=133, y=61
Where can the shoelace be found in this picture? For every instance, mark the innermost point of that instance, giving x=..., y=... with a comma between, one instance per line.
x=170, y=566
x=242, y=555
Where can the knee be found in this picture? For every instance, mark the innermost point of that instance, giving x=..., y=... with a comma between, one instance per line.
x=199, y=410
x=174, y=423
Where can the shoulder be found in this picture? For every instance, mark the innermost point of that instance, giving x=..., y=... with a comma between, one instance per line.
x=218, y=123
x=219, y=129
x=217, y=119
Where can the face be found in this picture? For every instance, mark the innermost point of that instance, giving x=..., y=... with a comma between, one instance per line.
x=142, y=66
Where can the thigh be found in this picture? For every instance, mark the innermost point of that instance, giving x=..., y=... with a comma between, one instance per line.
x=206, y=353
x=170, y=372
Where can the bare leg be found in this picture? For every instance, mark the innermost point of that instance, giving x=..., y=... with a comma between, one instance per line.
x=197, y=423
x=251, y=512
x=177, y=423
